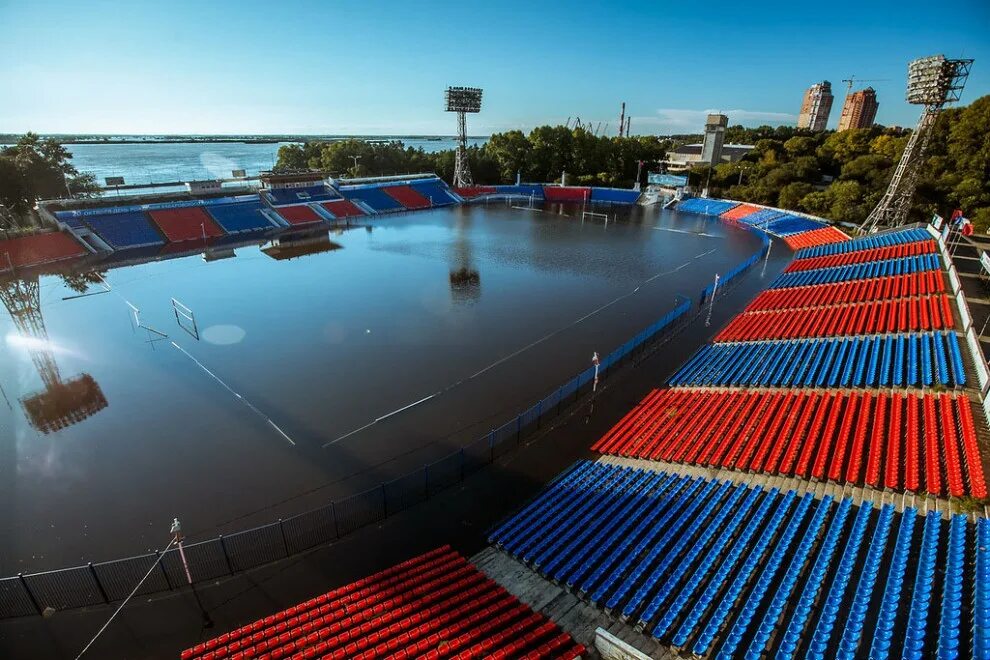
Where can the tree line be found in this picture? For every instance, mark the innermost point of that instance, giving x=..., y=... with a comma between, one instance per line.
x=543, y=155
x=842, y=176
x=38, y=168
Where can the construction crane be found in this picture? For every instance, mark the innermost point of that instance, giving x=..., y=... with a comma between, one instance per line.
x=849, y=81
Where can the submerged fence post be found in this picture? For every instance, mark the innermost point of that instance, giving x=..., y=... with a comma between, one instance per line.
x=285, y=542
x=99, y=585
x=27, y=590
x=226, y=555
x=161, y=564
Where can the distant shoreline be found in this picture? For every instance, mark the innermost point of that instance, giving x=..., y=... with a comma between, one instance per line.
x=246, y=139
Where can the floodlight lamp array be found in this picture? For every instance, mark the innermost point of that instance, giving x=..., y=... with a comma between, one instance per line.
x=463, y=99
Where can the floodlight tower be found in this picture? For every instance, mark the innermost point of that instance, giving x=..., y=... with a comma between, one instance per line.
x=462, y=100
x=932, y=82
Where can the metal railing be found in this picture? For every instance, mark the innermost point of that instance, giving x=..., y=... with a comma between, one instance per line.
x=109, y=581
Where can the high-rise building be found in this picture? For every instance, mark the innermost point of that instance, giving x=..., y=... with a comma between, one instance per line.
x=711, y=147
x=816, y=107
x=859, y=110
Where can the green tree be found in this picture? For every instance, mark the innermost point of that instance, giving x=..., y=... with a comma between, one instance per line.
x=36, y=168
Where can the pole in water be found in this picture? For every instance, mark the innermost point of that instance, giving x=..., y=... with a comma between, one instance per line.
x=595, y=361
x=708, y=321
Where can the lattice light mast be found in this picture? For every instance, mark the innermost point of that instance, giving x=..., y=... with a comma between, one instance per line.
x=62, y=402
x=932, y=82
x=462, y=100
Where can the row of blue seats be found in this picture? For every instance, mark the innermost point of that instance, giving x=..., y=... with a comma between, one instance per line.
x=705, y=206
x=434, y=190
x=789, y=225
x=914, y=360
x=125, y=230
x=762, y=216
x=375, y=198
x=981, y=591
x=240, y=217
x=526, y=189
x=880, y=268
x=886, y=239
x=281, y=196
x=712, y=566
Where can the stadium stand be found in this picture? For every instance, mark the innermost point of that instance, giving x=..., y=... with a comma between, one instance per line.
x=342, y=208
x=883, y=268
x=739, y=212
x=240, y=217
x=38, y=249
x=300, y=214
x=705, y=206
x=614, y=196
x=894, y=237
x=432, y=606
x=533, y=190
x=434, y=190
x=376, y=199
x=70, y=219
x=789, y=225
x=281, y=196
x=861, y=256
x=407, y=197
x=566, y=193
x=122, y=231
x=843, y=436
x=731, y=570
x=853, y=291
x=475, y=191
x=762, y=216
x=185, y=224
x=914, y=314
x=922, y=360
x=815, y=237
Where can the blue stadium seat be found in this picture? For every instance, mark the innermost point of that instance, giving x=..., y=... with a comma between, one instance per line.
x=376, y=198
x=434, y=190
x=125, y=230
x=898, y=237
x=240, y=217
x=283, y=196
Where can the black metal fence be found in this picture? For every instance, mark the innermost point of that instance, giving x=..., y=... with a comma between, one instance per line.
x=106, y=582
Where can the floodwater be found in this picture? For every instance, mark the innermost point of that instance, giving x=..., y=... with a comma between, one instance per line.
x=263, y=404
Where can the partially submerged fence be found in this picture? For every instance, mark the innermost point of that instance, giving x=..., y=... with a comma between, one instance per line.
x=106, y=582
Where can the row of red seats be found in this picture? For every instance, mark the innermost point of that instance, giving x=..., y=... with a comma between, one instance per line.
x=408, y=197
x=739, y=212
x=436, y=604
x=902, y=315
x=815, y=237
x=918, y=442
x=880, y=288
x=862, y=256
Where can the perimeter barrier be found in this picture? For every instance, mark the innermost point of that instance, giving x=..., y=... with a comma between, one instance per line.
x=106, y=582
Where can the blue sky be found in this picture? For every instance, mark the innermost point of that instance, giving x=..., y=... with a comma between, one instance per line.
x=381, y=67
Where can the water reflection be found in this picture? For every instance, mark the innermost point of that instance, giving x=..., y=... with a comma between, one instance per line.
x=292, y=246
x=465, y=281
x=63, y=402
